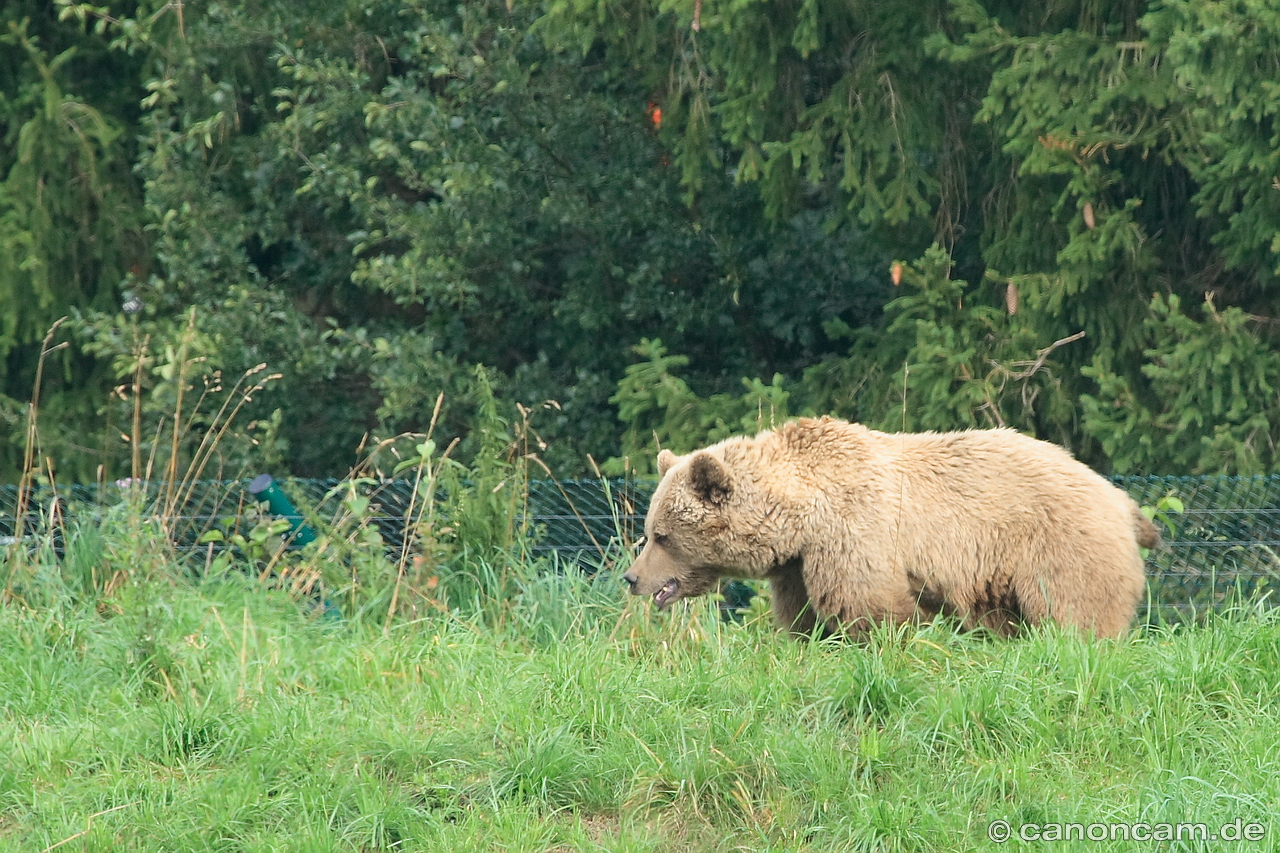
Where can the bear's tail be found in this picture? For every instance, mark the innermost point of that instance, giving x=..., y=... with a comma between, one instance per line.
x=1147, y=533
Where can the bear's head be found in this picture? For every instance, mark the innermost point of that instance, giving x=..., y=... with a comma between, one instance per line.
x=686, y=512
x=694, y=531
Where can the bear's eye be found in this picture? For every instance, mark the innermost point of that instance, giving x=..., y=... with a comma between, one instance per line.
x=660, y=539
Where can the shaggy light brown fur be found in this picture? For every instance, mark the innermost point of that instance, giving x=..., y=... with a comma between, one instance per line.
x=851, y=526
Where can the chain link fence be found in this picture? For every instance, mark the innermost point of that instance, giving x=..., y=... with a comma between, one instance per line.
x=1223, y=546
x=1225, y=542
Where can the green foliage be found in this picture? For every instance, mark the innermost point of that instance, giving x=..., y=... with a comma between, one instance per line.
x=463, y=528
x=1212, y=396
x=376, y=199
x=1117, y=129
x=947, y=356
x=837, y=96
x=70, y=218
x=180, y=415
x=952, y=355
x=660, y=408
x=260, y=541
x=1224, y=59
x=1078, y=138
x=237, y=338
x=46, y=244
x=1162, y=512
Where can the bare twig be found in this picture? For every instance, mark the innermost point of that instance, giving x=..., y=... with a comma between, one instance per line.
x=89, y=825
x=33, y=431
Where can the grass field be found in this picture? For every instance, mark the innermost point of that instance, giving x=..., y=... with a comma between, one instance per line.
x=166, y=714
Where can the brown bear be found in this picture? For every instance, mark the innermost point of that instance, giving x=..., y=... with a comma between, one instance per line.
x=853, y=527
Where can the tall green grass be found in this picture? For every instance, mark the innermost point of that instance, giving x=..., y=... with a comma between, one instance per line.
x=471, y=698
x=174, y=715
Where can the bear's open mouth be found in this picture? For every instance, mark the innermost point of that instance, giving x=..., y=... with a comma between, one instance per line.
x=663, y=596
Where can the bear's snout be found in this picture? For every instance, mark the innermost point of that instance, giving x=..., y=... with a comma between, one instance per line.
x=656, y=573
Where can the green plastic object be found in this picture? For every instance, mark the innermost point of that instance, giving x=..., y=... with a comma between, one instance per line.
x=264, y=490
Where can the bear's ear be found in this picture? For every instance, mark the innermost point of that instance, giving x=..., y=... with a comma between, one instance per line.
x=710, y=479
x=666, y=461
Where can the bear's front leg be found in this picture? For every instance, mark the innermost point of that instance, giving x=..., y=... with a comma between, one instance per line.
x=850, y=593
x=791, y=605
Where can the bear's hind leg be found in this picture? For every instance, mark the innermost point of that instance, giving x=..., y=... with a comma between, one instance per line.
x=1099, y=604
x=1002, y=608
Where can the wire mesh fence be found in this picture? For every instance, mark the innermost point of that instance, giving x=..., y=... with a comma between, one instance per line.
x=1224, y=543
